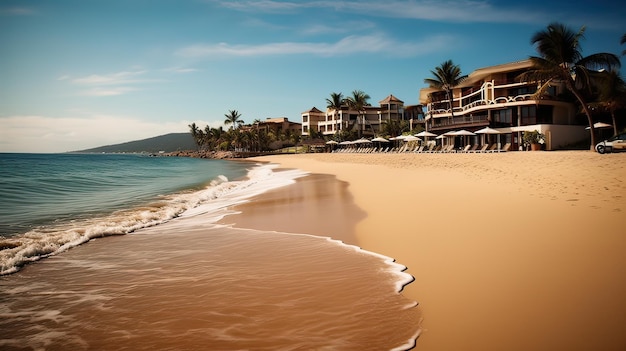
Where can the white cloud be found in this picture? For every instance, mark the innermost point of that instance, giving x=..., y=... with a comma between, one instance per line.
x=109, y=91
x=180, y=70
x=349, y=45
x=17, y=11
x=111, y=84
x=441, y=10
x=124, y=77
x=48, y=134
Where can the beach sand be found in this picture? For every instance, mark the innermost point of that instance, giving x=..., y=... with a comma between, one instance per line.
x=514, y=251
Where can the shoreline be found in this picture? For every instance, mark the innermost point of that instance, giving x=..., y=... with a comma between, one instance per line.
x=503, y=247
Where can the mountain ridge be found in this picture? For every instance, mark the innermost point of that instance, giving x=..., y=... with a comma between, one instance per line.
x=167, y=143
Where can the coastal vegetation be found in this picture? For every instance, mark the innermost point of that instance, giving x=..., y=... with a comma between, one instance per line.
x=240, y=136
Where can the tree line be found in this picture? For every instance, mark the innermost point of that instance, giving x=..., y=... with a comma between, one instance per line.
x=240, y=137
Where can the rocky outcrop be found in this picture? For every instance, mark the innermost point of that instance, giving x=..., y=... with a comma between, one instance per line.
x=204, y=154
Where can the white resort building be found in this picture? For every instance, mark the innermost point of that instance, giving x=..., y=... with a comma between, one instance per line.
x=367, y=122
x=494, y=97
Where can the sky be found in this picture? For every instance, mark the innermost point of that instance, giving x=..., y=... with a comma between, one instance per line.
x=77, y=74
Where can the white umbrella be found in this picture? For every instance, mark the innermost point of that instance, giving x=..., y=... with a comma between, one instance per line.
x=380, y=140
x=411, y=138
x=425, y=134
x=362, y=141
x=487, y=130
x=462, y=132
x=600, y=125
x=332, y=142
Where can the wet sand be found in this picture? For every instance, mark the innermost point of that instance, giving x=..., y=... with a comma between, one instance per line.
x=515, y=251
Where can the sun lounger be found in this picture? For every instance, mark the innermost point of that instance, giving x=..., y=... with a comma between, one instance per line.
x=483, y=148
x=466, y=148
x=506, y=148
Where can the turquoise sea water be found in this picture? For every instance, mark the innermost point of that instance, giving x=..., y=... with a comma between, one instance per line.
x=58, y=199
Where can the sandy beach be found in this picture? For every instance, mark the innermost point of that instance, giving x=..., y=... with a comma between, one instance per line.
x=513, y=251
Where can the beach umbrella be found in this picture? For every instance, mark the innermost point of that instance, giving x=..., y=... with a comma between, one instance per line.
x=380, y=140
x=362, y=141
x=332, y=142
x=425, y=134
x=462, y=132
x=600, y=125
x=410, y=138
x=488, y=130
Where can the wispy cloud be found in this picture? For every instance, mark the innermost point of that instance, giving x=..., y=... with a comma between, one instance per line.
x=17, y=11
x=111, y=84
x=124, y=77
x=349, y=45
x=442, y=10
x=340, y=27
x=180, y=70
x=108, y=91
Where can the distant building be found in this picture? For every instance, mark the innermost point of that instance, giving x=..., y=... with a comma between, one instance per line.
x=494, y=97
x=368, y=122
x=278, y=125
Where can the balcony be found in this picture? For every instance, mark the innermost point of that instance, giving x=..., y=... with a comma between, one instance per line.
x=459, y=122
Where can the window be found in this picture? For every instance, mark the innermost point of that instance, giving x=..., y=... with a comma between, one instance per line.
x=502, y=116
x=529, y=115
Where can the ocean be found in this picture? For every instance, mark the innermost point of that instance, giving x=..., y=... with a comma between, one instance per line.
x=125, y=252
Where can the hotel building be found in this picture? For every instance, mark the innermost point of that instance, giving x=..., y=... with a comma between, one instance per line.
x=495, y=97
x=366, y=123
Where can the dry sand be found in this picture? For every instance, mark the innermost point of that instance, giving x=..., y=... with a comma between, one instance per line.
x=514, y=251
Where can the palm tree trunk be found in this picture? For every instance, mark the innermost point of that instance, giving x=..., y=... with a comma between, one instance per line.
x=582, y=102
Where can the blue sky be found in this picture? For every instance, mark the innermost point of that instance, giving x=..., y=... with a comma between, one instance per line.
x=76, y=74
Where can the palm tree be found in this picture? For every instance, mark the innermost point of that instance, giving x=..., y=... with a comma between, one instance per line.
x=446, y=77
x=561, y=60
x=612, y=93
x=233, y=117
x=357, y=102
x=623, y=41
x=335, y=102
x=196, y=134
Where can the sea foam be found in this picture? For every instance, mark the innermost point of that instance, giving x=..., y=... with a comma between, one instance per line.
x=49, y=240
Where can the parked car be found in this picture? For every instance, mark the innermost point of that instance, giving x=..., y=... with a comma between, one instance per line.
x=614, y=144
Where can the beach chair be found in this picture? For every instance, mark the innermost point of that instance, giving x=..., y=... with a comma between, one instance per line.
x=436, y=149
x=473, y=148
x=466, y=148
x=482, y=149
x=419, y=149
x=506, y=148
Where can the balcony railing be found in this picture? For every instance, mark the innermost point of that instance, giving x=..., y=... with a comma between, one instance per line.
x=464, y=121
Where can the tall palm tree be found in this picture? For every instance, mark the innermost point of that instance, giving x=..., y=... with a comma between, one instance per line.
x=561, y=60
x=612, y=93
x=446, y=77
x=357, y=102
x=233, y=117
x=623, y=41
x=335, y=102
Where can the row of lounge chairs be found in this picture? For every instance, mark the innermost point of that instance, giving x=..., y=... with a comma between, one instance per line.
x=407, y=148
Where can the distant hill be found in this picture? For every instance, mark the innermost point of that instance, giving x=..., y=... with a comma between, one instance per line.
x=168, y=143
